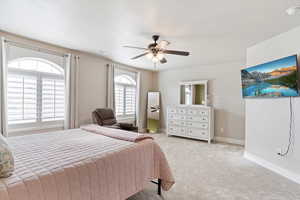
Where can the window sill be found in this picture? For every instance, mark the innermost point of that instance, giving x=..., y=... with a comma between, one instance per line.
x=125, y=118
x=32, y=130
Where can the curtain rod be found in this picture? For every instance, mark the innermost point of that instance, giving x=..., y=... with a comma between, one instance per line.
x=35, y=48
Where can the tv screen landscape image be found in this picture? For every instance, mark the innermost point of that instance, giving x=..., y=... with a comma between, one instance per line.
x=273, y=79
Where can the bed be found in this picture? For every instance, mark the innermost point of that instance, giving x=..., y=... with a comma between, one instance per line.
x=83, y=164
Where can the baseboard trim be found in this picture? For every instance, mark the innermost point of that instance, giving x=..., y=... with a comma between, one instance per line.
x=142, y=130
x=268, y=165
x=229, y=140
x=162, y=130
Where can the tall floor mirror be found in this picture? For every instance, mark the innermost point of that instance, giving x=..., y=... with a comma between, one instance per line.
x=153, y=110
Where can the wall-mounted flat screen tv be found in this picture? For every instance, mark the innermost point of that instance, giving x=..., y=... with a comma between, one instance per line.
x=273, y=79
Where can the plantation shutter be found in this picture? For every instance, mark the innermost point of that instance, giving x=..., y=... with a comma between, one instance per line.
x=119, y=99
x=21, y=98
x=130, y=96
x=53, y=99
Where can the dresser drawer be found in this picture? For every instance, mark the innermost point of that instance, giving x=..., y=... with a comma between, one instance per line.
x=197, y=118
x=177, y=123
x=203, y=119
x=192, y=112
x=203, y=112
x=181, y=111
x=172, y=129
x=180, y=131
x=197, y=112
x=197, y=125
x=172, y=122
x=177, y=117
x=172, y=110
x=171, y=116
x=197, y=133
x=180, y=117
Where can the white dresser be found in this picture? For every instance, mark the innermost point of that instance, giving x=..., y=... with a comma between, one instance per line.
x=195, y=122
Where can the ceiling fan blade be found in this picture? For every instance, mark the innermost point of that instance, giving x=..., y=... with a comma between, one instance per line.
x=179, y=53
x=141, y=55
x=132, y=47
x=164, y=60
x=163, y=44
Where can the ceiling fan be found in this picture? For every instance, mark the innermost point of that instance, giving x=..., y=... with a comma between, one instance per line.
x=156, y=51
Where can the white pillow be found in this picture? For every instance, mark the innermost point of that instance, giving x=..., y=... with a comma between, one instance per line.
x=6, y=159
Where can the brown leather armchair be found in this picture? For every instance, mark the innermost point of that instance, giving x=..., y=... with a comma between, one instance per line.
x=106, y=117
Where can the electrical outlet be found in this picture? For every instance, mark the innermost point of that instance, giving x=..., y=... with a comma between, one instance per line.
x=222, y=130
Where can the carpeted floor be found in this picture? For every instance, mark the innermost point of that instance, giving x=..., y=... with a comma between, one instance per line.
x=217, y=172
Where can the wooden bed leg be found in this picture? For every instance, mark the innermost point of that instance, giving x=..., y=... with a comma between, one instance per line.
x=159, y=187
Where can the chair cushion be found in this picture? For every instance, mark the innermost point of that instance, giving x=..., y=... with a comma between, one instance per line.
x=6, y=159
x=128, y=126
x=107, y=116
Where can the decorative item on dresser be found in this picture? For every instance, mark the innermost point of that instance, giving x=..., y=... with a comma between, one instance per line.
x=192, y=121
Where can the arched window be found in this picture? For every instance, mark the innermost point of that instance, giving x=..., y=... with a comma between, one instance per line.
x=125, y=96
x=125, y=80
x=35, y=91
x=36, y=65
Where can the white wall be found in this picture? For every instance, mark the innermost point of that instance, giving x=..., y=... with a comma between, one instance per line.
x=92, y=80
x=267, y=120
x=224, y=94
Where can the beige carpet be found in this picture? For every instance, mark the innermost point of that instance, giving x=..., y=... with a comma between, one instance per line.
x=217, y=172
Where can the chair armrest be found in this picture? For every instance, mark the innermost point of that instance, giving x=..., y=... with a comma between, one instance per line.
x=96, y=118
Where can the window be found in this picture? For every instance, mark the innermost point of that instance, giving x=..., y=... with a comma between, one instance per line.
x=35, y=92
x=125, y=96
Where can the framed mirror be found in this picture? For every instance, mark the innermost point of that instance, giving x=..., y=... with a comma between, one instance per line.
x=193, y=93
x=153, y=112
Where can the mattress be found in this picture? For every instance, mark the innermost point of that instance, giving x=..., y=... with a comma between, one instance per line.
x=80, y=165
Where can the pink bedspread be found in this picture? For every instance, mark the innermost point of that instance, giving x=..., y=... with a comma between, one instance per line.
x=80, y=165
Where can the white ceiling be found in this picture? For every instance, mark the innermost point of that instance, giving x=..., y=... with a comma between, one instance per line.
x=214, y=31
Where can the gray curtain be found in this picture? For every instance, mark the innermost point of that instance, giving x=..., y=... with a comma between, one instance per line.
x=138, y=99
x=3, y=98
x=71, y=91
x=110, y=94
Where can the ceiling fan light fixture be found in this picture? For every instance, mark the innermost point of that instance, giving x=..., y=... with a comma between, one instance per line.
x=160, y=55
x=150, y=55
x=155, y=59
